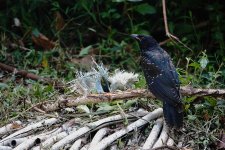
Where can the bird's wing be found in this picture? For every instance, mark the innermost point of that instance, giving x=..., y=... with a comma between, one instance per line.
x=161, y=76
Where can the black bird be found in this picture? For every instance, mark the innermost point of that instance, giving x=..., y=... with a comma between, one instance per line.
x=162, y=78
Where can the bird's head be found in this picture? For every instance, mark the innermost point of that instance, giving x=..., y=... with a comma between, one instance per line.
x=146, y=42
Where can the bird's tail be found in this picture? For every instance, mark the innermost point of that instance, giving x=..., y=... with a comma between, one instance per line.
x=173, y=115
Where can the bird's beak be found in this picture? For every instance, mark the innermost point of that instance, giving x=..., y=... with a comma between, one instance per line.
x=135, y=36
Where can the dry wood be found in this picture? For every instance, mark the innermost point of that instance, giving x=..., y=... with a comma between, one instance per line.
x=170, y=142
x=153, y=134
x=105, y=142
x=85, y=147
x=58, y=134
x=10, y=127
x=50, y=141
x=37, y=139
x=5, y=148
x=36, y=148
x=77, y=144
x=162, y=140
x=34, y=107
x=16, y=142
x=29, y=129
x=124, y=95
x=26, y=144
x=98, y=137
x=114, y=147
x=23, y=73
x=91, y=127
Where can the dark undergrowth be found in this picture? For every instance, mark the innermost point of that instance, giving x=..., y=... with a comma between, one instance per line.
x=56, y=39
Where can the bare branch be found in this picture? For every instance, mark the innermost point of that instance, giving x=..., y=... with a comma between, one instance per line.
x=23, y=73
x=165, y=17
x=124, y=95
x=171, y=36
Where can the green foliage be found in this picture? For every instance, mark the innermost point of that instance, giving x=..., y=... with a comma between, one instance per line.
x=3, y=86
x=13, y=98
x=106, y=23
x=145, y=9
x=101, y=29
x=141, y=83
x=85, y=51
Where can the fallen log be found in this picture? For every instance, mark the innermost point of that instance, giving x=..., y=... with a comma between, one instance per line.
x=64, y=102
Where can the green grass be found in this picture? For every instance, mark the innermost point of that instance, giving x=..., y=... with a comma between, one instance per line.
x=101, y=29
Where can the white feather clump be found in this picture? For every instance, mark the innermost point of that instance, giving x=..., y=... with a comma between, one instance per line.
x=84, y=83
x=122, y=80
x=91, y=82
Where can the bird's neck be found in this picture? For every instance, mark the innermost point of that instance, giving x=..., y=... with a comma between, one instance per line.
x=150, y=47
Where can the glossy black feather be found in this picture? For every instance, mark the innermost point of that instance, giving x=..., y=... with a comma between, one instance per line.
x=162, y=79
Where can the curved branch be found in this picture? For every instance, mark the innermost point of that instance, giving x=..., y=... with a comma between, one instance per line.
x=23, y=73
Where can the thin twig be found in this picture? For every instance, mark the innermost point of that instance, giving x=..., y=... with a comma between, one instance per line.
x=34, y=107
x=164, y=42
x=25, y=74
x=165, y=17
x=14, y=46
x=171, y=36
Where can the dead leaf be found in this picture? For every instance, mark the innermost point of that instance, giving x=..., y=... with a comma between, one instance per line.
x=16, y=125
x=59, y=21
x=45, y=62
x=84, y=62
x=206, y=116
x=222, y=120
x=41, y=40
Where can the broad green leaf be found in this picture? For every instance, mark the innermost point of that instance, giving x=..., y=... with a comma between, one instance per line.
x=129, y=103
x=211, y=101
x=85, y=51
x=141, y=83
x=83, y=108
x=195, y=65
x=190, y=99
x=105, y=107
x=203, y=62
x=187, y=106
x=192, y=117
x=116, y=15
x=199, y=106
x=145, y=9
x=3, y=86
x=35, y=32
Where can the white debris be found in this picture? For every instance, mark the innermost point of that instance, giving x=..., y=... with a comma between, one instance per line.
x=98, y=77
x=84, y=83
x=122, y=80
